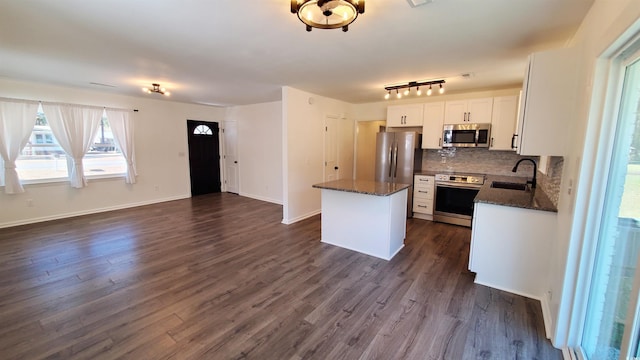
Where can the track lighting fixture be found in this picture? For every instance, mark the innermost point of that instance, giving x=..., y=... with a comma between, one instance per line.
x=415, y=84
x=327, y=14
x=156, y=89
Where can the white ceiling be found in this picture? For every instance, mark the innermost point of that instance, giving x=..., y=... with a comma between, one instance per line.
x=232, y=52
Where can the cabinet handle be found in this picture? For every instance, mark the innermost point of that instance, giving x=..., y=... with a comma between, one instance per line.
x=469, y=116
x=513, y=140
x=440, y=142
x=422, y=191
x=491, y=145
x=422, y=206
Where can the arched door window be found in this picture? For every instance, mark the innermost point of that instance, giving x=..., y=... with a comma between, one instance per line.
x=202, y=130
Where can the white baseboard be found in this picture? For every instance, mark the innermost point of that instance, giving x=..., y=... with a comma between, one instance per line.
x=300, y=218
x=91, y=211
x=261, y=198
x=530, y=296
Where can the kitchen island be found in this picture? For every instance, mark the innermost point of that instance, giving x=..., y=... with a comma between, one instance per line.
x=365, y=216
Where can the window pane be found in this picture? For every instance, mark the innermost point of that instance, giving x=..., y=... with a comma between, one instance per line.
x=42, y=157
x=619, y=239
x=202, y=130
x=104, y=157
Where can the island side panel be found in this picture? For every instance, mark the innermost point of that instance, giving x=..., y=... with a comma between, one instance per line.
x=363, y=222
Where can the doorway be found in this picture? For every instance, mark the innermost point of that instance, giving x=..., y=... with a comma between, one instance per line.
x=204, y=157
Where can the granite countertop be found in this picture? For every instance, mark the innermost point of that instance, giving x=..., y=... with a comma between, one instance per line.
x=534, y=199
x=363, y=187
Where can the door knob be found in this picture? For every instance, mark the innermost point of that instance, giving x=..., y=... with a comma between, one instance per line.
x=335, y=168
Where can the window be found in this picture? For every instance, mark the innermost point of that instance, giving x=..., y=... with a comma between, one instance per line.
x=42, y=159
x=202, y=130
x=609, y=324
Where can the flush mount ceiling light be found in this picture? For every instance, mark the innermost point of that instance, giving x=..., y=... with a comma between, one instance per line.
x=415, y=84
x=156, y=89
x=327, y=14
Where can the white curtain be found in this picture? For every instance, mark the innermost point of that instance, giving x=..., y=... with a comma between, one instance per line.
x=17, y=119
x=122, y=129
x=75, y=128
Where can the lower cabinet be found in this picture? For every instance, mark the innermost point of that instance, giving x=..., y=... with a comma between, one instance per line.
x=511, y=247
x=423, y=190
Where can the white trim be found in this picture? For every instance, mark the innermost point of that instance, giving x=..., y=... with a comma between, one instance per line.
x=92, y=211
x=501, y=288
x=301, y=217
x=261, y=198
x=570, y=354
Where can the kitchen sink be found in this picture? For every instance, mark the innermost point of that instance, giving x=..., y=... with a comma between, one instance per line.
x=509, y=185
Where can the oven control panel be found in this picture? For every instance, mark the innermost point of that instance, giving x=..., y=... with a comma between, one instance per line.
x=458, y=178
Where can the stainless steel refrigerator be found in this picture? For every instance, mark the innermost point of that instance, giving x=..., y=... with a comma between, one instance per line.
x=398, y=157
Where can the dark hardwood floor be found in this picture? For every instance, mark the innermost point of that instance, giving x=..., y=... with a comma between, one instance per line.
x=219, y=277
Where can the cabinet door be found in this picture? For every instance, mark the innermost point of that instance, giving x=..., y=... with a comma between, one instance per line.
x=395, y=116
x=479, y=110
x=432, y=125
x=548, y=101
x=455, y=112
x=404, y=115
x=503, y=122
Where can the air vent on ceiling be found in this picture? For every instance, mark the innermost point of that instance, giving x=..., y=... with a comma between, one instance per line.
x=415, y=3
x=101, y=84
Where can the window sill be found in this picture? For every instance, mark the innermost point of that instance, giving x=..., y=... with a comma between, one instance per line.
x=66, y=180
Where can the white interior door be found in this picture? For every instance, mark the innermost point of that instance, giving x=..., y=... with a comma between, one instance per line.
x=331, y=168
x=231, y=157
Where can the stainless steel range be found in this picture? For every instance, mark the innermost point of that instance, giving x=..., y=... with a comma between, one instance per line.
x=454, y=197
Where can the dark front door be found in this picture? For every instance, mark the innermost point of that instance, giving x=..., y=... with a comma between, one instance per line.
x=204, y=157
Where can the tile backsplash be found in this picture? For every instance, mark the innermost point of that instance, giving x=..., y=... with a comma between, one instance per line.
x=483, y=161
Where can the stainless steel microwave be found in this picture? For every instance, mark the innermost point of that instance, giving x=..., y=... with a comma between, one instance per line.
x=466, y=135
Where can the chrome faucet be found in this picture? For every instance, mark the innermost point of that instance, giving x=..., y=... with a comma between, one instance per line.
x=535, y=171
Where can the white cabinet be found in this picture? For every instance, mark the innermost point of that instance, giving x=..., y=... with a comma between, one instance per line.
x=423, y=190
x=468, y=111
x=510, y=248
x=548, y=102
x=503, y=122
x=404, y=115
x=432, y=125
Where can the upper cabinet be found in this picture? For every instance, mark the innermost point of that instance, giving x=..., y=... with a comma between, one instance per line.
x=404, y=115
x=547, y=104
x=468, y=111
x=503, y=122
x=432, y=125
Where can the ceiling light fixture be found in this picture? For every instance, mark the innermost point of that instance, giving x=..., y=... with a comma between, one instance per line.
x=327, y=14
x=415, y=84
x=156, y=89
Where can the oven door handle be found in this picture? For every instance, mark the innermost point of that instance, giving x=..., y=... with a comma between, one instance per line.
x=458, y=186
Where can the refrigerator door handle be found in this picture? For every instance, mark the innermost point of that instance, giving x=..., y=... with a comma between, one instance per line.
x=390, y=160
x=395, y=162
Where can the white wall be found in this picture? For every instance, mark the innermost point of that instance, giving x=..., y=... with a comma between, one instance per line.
x=161, y=155
x=605, y=23
x=259, y=150
x=303, y=152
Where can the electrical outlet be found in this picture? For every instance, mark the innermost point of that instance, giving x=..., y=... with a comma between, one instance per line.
x=29, y=202
x=156, y=188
